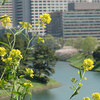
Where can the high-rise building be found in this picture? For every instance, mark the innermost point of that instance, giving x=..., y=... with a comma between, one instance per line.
x=41, y=6
x=83, y=19
x=30, y=10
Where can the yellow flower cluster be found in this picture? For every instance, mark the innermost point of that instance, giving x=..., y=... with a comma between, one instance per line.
x=28, y=84
x=30, y=72
x=7, y=60
x=5, y=21
x=86, y=98
x=45, y=18
x=95, y=96
x=13, y=57
x=2, y=51
x=40, y=40
x=15, y=53
x=25, y=25
x=88, y=64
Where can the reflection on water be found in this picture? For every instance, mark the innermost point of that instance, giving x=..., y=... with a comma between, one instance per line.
x=64, y=72
x=44, y=95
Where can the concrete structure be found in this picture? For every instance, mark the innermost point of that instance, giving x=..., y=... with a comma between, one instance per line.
x=81, y=23
x=30, y=10
x=83, y=1
x=41, y=6
x=55, y=27
x=82, y=19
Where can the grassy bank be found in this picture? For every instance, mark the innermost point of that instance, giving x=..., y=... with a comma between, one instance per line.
x=37, y=87
x=77, y=60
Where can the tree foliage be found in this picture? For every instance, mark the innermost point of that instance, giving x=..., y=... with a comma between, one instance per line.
x=44, y=61
x=51, y=42
x=96, y=54
x=70, y=42
x=89, y=44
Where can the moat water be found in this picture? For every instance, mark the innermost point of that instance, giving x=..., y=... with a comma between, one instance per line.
x=63, y=73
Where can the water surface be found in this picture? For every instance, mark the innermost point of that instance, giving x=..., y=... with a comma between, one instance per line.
x=64, y=72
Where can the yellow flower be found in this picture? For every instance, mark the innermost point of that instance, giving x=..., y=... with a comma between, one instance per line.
x=45, y=18
x=29, y=72
x=2, y=51
x=44, y=26
x=96, y=96
x=78, y=72
x=28, y=84
x=8, y=35
x=80, y=84
x=88, y=64
x=9, y=58
x=85, y=78
x=16, y=54
x=37, y=23
x=40, y=39
x=5, y=21
x=31, y=75
x=25, y=25
x=86, y=98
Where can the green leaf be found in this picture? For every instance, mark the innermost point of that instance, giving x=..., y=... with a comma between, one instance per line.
x=25, y=36
x=80, y=74
x=22, y=76
x=3, y=2
x=19, y=31
x=75, y=92
x=17, y=93
x=5, y=44
x=73, y=80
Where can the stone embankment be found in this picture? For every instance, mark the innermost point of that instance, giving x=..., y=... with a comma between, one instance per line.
x=66, y=52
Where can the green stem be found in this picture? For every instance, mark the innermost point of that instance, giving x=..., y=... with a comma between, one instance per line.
x=78, y=82
x=3, y=74
x=14, y=41
x=9, y=43
x=32, y=37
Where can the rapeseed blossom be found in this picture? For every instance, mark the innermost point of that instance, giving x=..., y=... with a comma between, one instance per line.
x=5, y=21
x=95, y=96
x=2, y=51
x=25, y=25
x=86, y=98
x=40, y=39
x=85, y=78
x=30, y=72
x=28, y=84
x=13, y=58
x=15, y=53
x=88, y=64
x=7, y=60
x=80, y=84
x=45, y=18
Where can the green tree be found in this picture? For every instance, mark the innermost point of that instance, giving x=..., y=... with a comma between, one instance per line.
x=96, y=54
x=89, y=44
x=70, y=42
x=44, y=61
x=78, y=43
x=51, y=42
x=61, y=42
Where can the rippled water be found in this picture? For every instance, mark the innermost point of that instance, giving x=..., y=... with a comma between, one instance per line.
x=63, y=74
